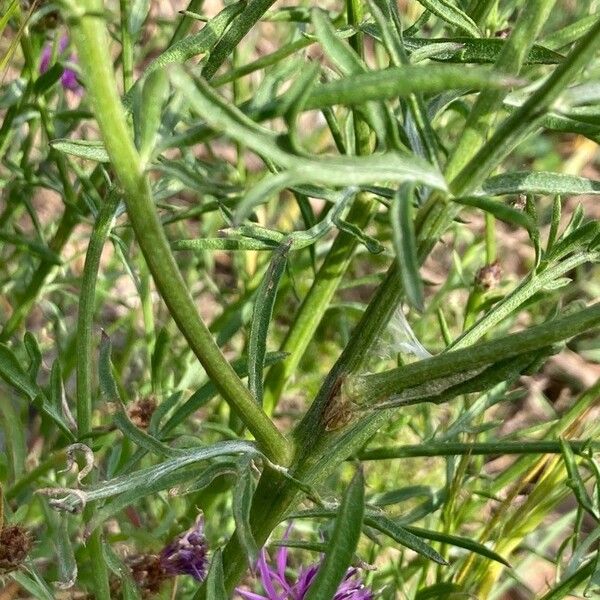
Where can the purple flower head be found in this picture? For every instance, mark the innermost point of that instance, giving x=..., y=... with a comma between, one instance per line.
x=68, y=79
x=186, y=554
x=277, y=586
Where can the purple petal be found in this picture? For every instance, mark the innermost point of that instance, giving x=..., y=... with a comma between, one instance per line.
x=69, y=80
x=250, y=595
x=63, y=43
x=187, y=553
x=45, y=58
x=266, y=576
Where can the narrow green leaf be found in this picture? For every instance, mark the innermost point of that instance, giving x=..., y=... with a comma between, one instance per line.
x=46, y=80
x=402, y=536
x=12, y=372
x=343, y=542
x=225, y=243
x=138, y=12
x=261, y=318
x=214, y=471
x=555, y=222
x=569, y=34
x=575, y=482
x=563, y=589
x=150, y=479
x=450, y=13
x=108, y=385
x=580, y=238
x=215, y=581
x=67, y=565
x=33, y=246
x=56, y=386
x=539, y=182
x=155, y=93
x=468, y=49
x=34, y=584
x=458, y=541
x=394, y=82
x=242, y=503
x=90, y=150
x=370, y=243
x=34, y=353
x=405, y=245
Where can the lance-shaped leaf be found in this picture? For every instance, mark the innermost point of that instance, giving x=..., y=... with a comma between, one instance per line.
x=539, y=182
x=142, y=480
x=402, y=536
x=450, y=13
x=466, y=363
x=215, y=583
x=89, y=150
x=242, y=503
x=467, y=49
x=261, y=317
x=343, y=542
x=405, y=244
x=458, y=541
x=13, y=373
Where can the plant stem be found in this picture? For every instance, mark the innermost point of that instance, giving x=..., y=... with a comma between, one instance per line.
x=335, y=265
x=381, y=385
x=126, y=46
x=91, y=37
x=476, y=449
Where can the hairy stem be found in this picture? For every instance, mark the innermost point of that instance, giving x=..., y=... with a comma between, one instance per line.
x=91, y=37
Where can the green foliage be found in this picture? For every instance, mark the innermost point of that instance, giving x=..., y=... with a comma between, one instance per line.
x=309, y=264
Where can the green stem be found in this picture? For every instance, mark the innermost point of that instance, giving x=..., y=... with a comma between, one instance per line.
x=490, y=238
x=384, y=384
x=92, y=41
x=335, y=265
x=514, y=52
x=315, y=303
x=432, y=449
x=126, y=46
x=532, y=285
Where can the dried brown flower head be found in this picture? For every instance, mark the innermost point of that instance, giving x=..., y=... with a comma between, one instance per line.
x=148, y=572
x=140, y=412
x=15, y=544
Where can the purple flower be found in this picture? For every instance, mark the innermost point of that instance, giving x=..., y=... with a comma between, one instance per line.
x=186, y=554
x=277, y=586
x=68, y=79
